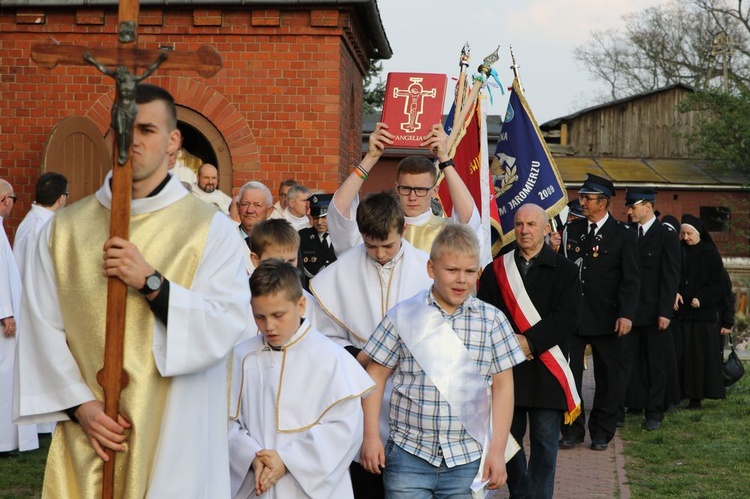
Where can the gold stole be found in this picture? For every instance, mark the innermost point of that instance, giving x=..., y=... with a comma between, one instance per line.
x=171, y=240
x=422, y=236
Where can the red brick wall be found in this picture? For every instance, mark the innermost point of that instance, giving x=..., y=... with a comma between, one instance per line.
x=288, y=100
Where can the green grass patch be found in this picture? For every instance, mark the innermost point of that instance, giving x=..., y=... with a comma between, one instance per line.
x=21, y=477
x=700, y=453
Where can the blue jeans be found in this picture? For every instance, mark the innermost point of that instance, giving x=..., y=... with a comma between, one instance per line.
x=407, y=476
x=537, y=479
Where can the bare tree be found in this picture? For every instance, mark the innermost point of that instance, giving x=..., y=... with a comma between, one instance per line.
x=702, y=43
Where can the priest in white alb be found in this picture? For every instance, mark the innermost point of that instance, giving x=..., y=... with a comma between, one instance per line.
x=186, y=308
x=13, y=437
x=51, y=195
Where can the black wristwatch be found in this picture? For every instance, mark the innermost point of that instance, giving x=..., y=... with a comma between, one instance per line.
x=446, y=164
x=153, y=283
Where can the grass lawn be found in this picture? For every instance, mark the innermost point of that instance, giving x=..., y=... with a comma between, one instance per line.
x=21, y=477
x=701, y=453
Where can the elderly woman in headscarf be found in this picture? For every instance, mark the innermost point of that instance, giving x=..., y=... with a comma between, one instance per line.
x=699, y=296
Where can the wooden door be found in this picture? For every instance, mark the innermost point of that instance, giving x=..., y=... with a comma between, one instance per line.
x=76, y=149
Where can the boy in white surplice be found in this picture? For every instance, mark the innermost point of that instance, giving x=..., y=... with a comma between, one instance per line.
x=295, y=405
x=452, y=401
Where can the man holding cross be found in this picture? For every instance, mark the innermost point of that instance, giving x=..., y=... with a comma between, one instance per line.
x=186, y=308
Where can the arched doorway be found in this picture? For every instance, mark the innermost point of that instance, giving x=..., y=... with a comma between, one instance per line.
x=76, y=149
x=201, y=138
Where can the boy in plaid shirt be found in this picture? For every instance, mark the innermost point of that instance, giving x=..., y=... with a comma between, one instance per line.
x=451, y=357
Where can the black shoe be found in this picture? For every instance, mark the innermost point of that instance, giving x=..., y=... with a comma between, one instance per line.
x=9, y=454
x=651, y=424
x=570, y=442
x=599, y=445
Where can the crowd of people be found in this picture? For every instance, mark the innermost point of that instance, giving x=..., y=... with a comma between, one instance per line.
x=370, y=355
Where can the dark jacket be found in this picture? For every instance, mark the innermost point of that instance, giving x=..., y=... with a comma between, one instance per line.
x=553, y=286
x=314, y=255
x=703, y=278
x=610, y=274
x=659, y=254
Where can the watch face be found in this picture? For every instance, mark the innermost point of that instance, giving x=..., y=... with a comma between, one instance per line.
x=153, y=282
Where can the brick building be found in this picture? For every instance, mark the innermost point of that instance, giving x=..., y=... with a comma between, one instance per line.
x=287, y=102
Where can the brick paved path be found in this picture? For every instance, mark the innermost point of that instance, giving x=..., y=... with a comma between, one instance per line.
x=583, y=473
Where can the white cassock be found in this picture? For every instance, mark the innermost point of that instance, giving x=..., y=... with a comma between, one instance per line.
x=12, y=436
x=345, y=234
x=216, y=198
x=27, y=235
x=184, y=174
x=298, y=223
x=304, y=402
x=355, y=291
x=205, y=322
x=278, y=211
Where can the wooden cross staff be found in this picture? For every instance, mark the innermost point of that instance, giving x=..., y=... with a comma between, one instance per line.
x=206, y=62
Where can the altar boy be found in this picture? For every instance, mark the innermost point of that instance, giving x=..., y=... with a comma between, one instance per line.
x=452, y=402
x=294, y=430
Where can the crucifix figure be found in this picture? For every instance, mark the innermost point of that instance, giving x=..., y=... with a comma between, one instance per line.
x=124, y=108
x=415, y=95
x=136, y=323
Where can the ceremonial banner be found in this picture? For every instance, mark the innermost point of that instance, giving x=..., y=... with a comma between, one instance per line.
x=413, y=103
x=523, y=170
x=471, y=163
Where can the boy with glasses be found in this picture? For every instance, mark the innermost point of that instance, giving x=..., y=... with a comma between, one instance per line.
x=415, y=184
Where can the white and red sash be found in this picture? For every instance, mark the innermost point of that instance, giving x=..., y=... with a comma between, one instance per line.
x=524, y=315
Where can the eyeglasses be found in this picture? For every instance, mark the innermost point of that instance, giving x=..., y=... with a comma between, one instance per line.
x=67, y=194
x=405, y=190
x=584, y=197
x=11, y=196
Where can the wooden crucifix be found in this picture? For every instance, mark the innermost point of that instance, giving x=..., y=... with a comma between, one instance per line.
x=117, y=63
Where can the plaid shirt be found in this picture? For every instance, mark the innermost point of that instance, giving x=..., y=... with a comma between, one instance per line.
x=421, y=421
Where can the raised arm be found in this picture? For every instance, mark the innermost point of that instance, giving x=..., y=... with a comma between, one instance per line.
x=348, y=191
x=463, y=202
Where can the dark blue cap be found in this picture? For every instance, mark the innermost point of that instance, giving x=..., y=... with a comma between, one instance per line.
x=635, y=195
x=319, y=204
x=595, y=184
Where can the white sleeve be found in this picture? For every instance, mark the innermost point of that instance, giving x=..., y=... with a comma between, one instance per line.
x=207, y=320
x=49, y=380
x=319, y=459
x=343, y=231
x=242, y=450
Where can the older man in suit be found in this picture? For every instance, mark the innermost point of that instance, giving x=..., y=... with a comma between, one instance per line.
x=539, y=291
x=606, y=252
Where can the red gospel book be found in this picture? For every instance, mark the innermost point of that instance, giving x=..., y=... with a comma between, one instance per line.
x=413, y=103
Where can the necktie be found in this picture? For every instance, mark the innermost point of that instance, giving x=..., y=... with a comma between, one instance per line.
x=247, y=241
x=640, y=231
x=325, y=240
x=592, y=231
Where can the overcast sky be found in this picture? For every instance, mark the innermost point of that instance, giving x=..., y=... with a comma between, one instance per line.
x=427, y=36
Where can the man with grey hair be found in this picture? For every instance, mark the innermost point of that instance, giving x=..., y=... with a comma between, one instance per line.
x=254, y=205
x=280, y=208
x=298, y=207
